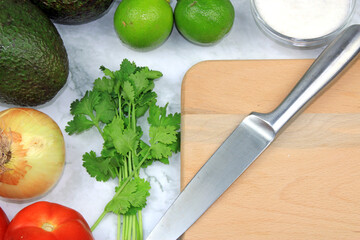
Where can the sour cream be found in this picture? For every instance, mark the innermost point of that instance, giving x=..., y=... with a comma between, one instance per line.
x=304, y=19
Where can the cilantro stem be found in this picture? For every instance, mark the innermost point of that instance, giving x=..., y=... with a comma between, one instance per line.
x=133, y=164
x=119, y=232
x=128, y=228
x=129, y=114
x=114, y=105
x=124, y=173
x=133, y=115
x=120, y=107
x=96, y=123
x=129, y=163
x=98, y=220
x=131, y=230
x=133, y=225
x=123, y=229
x=140, y=225
x=118, y=227
x=128, y=178
x=99, y=129
x=120, y=175
x=126, y=169
x=137, y=226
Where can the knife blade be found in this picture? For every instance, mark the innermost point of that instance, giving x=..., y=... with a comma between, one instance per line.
x=253, y=135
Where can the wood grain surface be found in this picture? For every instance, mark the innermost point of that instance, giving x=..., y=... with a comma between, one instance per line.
x=307, y=184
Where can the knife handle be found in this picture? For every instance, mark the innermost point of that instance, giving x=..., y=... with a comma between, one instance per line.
x=336, y=56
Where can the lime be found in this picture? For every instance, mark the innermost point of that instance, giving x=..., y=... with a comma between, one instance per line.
x=143, y=24
x=204, y=21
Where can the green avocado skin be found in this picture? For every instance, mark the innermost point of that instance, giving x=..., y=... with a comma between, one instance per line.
x=33, y=60
x=73, y=11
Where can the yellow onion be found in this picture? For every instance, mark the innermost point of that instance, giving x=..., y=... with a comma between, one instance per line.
x=32, y=153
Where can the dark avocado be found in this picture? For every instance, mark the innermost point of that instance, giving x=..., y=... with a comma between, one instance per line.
x=73, y=11
x=33, y=60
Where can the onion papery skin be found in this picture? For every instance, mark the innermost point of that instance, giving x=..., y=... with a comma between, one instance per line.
x=37, y=153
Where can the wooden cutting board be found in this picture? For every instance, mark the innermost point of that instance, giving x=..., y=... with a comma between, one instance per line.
x=307, y=184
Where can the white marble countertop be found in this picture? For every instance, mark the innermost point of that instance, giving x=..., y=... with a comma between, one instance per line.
x=94, y=44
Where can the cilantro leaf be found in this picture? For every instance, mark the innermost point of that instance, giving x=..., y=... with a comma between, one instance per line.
x=163, y=132
x=142, y=191
x=116, y=128
x=164, y=160
x=128, y=92
x=86, y=104
x=127, y=67
x=104, y=84
x=153, y=74
x=79, y=124
x=157, y=117
x=139, y=81
x=150, y=87
x=125, y=142
x=166, y=135
x=141, y=110
x=144, y=102
x=106, y=71
x=121, y=202
x=98, y=167
x=160, y=150
x=142, y=151
x=134, y=194
x=175, y=146
x=113, y=106
x=147, y=98
x=155, y=113
x=172, y=120
x=105, y=109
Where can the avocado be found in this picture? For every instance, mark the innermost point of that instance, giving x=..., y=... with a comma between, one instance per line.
x=33, y=60
x=73, y=11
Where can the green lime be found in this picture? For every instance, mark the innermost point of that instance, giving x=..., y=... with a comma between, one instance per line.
x=143, y=24
x=204, y=21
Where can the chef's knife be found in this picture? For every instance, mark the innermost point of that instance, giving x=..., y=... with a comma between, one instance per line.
x=252, y=137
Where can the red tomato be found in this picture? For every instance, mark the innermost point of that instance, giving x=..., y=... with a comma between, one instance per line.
x=4, y=222
x=48, y=221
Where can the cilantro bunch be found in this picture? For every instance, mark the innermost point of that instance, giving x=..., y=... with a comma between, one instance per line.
x=113, y=107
